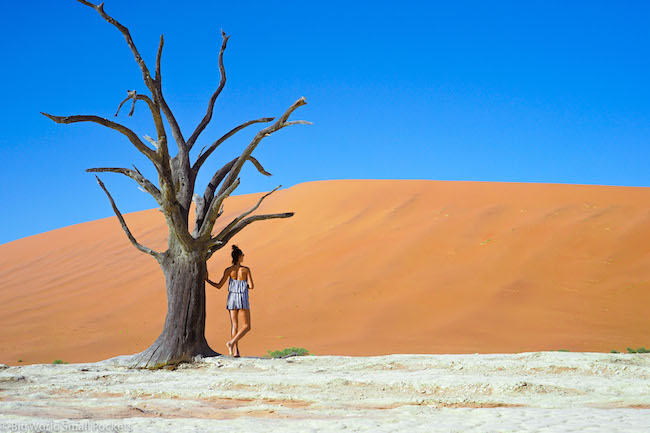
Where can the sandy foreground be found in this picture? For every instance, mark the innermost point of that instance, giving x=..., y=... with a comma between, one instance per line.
x=524, y=392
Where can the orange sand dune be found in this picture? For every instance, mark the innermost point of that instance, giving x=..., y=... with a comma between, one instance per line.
x=365, y=267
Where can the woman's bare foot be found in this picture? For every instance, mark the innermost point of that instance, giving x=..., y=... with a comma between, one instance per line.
x=229, y=344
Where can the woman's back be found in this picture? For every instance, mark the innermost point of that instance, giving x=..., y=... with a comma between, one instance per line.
x=238, y=272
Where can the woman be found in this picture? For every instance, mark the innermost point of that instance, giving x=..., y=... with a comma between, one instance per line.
x=237, y=303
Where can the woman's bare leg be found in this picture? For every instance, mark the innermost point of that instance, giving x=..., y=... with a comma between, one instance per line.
x=245, y=315
x=233, y=328
x=246, y=318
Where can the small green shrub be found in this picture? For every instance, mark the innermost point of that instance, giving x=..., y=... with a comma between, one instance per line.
x=633, y=350
x=20, y=360
x=58, y=361
x=299, y=351
x=563, y=350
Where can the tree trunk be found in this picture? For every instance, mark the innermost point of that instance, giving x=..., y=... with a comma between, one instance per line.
x=183, y=335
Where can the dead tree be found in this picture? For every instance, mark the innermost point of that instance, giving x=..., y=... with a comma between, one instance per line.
x=184, y=262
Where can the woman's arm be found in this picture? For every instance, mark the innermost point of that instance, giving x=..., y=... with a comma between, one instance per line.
x=208, y=279
x=250, y=277
x=220, y=283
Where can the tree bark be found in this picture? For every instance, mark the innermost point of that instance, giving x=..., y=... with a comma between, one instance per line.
x=183, y=334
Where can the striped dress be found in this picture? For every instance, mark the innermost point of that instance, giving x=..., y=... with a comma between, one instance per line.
x=237, y=295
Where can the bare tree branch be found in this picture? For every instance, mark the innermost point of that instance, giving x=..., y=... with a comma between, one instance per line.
x=135, y=243
x=164, y=169
x=208, y=195
x=132, y=94
x=161, y=143
x=222, y=172
x=127, y=35
x=176, y=130
x=297, y=122
x=109, y=124
x=151, y=85
x=160, y=160
x=230, y=226
x=203, y=156
x=135, y=175
x=239, y=226
x=158, y=78
x=213, y=211
x=219, y=175
x=258, y=166
x=151, y=140
x=155, y=113
x=214, y=246
x=279, y=124
x=215, y=95
x=200, y=213
x=226, y=188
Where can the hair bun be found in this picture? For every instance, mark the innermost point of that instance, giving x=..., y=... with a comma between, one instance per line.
x=235, y=247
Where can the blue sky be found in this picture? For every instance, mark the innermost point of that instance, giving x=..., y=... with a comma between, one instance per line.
x=553, y=92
